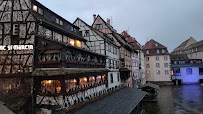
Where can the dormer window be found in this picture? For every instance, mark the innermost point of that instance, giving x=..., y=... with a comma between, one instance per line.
x=78, y=43
x=147, y=52
x=40, y=11
x=99, y=26
x=163, y=51
x=57, y=20
x=34, y=8
x=157, y=51
x=156, y=44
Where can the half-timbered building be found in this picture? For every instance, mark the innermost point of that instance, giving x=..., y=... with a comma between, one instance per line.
x=99, y=42
x=36, y=42
x=125, y=48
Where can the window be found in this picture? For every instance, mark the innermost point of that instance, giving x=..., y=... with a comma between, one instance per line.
x=147, y=58
x=165, y=58
x=147, y=52
x=166, y=65
x=176, y=72
x=34, y=8
x=57, y=20
x=118, y=77
x=61, y=22
x=86, y=33
x=78, y=43
x=200, y=71
x=156, y=44
x=163, y=51
x=196, y=49
x=157, y=65
x=147, y=72
x=40, y=11
x=189, y=71
x=166, y=72
x=99, y=26
x=157, y=51
x=15, y=29
x=157, y=58
x=111, y=78
x=158, y=72
x=72, y=42
x=147, y=66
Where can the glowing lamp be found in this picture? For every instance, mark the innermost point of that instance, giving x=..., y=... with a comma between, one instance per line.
x=49, y=81
x=72, y=42
x=85, y=79
x=74, y=80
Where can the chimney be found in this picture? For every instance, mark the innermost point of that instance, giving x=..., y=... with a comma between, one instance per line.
x=108, y=21
x=94, y=17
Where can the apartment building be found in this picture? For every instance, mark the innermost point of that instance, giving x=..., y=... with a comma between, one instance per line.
x=157, y=62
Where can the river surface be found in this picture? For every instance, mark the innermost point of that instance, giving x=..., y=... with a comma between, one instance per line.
x=184, y=99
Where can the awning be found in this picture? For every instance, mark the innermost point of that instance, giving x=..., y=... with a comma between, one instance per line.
x=120, y=102
x=67, y=71
x=151, y=85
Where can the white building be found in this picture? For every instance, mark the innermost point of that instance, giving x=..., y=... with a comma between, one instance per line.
x=157, y=61
x=100, y=43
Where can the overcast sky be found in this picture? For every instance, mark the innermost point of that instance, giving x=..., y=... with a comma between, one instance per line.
x=170, y=22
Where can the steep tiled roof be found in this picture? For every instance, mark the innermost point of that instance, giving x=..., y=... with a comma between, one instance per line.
x=200, y=43
x=131, y=40
x=152, y=45
x=182, y=46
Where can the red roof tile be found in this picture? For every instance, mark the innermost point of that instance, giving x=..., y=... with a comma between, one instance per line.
x=152, y=45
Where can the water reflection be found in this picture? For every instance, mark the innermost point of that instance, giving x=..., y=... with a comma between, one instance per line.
x=185, y=99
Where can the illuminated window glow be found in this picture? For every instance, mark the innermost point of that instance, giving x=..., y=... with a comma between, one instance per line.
x=78, y=43
x=72, y=42
x=35, y=8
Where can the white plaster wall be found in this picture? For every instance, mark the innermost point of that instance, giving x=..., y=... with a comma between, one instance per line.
x=115, y=79
x=152, y=62
x=197, y=55
x=194, y=77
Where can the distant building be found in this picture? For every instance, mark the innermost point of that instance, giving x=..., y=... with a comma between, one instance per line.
x=137, y=60
x=157, y=62
x=183, y=46
x=186, y=63
x=195, y=50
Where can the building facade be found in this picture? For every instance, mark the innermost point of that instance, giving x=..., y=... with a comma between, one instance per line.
x=137, y=61
x=157, y=61
x=187, y=71
x=99, y=42
x=125, y=48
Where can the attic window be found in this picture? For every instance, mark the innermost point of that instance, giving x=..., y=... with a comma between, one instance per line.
x=147, y=52
x=34, y=8
x=156, y=44
x=99, y=26
x=40, y=11
x=163, y=51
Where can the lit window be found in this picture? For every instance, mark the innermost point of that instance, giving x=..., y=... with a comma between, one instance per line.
x=72, y=42
x=78, y=43
x=35, y=8
x=158, y=72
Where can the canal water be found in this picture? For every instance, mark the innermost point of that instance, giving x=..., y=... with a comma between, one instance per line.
x=184, y=99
